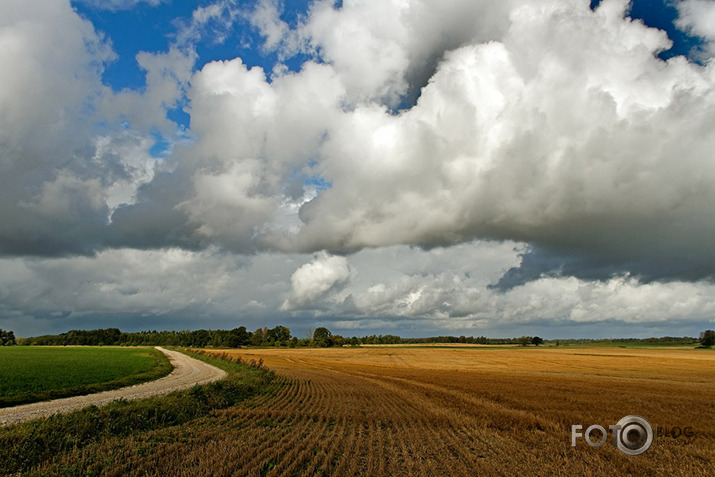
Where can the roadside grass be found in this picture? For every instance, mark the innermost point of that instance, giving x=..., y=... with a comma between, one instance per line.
x=31, y=374
x=29, y=444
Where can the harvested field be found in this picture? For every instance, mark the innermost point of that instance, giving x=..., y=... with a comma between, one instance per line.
x=458, y=411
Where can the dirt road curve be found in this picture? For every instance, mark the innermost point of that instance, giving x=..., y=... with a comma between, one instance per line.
x=187, y=372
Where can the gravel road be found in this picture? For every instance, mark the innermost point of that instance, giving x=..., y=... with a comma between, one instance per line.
x=187, y=373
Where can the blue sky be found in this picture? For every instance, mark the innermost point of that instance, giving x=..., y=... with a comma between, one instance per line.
x=477, y=167
x=155, y=28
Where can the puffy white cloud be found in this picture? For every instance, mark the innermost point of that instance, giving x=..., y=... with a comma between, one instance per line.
x=698, y=18
x=135, y=166
x=385, y=50
x=568, y=133
x=166, y=76
x=254, y=140
x=266, y=17
x=313, y=280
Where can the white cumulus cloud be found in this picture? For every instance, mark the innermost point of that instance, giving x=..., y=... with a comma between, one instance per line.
x=315, y=279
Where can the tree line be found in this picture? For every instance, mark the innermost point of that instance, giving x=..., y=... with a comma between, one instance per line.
x=281, y=336
x=235, y=338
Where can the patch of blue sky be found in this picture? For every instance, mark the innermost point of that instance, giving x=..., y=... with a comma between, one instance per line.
x=662, y=14
x=319, y=182
x=141, y=28
x=311, y=181
x=295, y=10
x=179, y=116
x=155, y=28
x=162, y=147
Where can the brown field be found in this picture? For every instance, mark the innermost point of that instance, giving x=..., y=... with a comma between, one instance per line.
x=444, y=411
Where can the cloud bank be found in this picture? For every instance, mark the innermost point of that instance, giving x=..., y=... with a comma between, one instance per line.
x=393, y=289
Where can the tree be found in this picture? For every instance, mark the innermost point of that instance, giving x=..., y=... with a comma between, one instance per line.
x=707, y=338
x=238, y=337
x=524, y=340
x=199, y=338
x=322, y=337
x=537, y=341
x=278, y=334
x=257, y=338
x=7, y=338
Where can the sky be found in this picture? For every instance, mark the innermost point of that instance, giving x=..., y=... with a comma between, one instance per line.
x=412, y=167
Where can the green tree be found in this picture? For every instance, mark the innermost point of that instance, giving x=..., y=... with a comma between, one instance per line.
x=524, y=340
x=7, y=338
x=238, y=337
x=322, y=337
x=199, y=338
x=279, y=334
x=257, y=339
x=536, y=341
x=707, y=338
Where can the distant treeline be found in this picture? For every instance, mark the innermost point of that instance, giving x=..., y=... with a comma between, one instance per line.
x=235, y=338
x=682, y=340
x=281, y=336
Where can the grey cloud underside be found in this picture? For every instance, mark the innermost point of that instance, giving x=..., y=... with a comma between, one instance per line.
x=435, y=124
x=537, y=263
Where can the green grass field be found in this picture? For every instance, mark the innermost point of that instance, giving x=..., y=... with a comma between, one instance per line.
x=30, y=374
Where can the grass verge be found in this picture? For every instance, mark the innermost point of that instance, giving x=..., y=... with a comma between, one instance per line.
x=28, y=445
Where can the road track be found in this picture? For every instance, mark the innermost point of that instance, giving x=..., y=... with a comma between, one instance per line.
x=187, y=372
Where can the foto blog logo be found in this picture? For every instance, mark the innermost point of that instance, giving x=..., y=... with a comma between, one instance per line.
x=632, y=435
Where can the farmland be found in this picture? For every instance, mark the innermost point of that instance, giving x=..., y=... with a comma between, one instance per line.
x=29, y=374
x=441, y=411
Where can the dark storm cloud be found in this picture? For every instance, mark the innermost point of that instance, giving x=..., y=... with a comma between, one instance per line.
x=537, y=263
